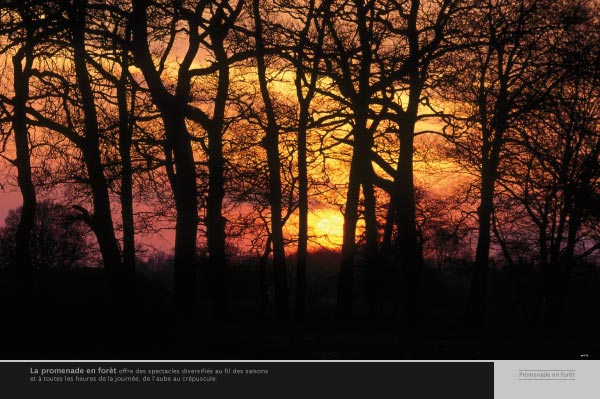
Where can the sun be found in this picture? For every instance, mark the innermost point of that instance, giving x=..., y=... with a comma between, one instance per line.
x=323, y=226
x=327, y=228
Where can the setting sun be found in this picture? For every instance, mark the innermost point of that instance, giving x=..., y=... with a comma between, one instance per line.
x=328, y=228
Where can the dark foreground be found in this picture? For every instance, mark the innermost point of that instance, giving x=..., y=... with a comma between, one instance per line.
x=71, y=316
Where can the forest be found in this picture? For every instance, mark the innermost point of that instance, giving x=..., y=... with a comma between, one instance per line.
x=300, y=178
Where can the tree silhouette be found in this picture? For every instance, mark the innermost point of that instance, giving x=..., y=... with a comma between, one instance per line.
x=429, y=35
x=555, y=163
x=59, y=239
x=505, y=73
x=25, y=24
x=271, y=145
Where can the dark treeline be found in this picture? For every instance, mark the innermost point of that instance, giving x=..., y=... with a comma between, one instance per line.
x=229, y=120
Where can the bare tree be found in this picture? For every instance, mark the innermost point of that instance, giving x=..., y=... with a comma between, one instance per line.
x=554, y=165
x=504, y=74
x=271, y=145
x=428, y=32
x=72, y=42
x=24, y=24
x=348, y=58
x=208, y=26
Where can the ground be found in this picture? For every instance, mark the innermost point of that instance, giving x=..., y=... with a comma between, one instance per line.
x=71, y=316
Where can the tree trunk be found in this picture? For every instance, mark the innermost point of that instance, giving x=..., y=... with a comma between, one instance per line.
x=359, y=166
x=558, y=274
x=19, y=124
x=346, y=276
x=279, y=264
x=186, y=205
x=302, y=248
x=183, y=183
x=407, y=240
x=360, y=152
x=215, y=222
x=215, y=225
x=271, y=145
x=476, y=306
x=126, y=194
x=303, y=122
x=102, y=222
x=375, y=286
x=407, y=243
x=263, y=283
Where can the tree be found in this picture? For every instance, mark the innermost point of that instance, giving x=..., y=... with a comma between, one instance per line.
x=172, y=109
x=49, y=38
x=348, y=60
x=304, y=52
x=429, y=32
x=384, y=56
x=109, y=55
x=59, y=239
x=207, y=27
x=26, y=27
x=271, y=145
x=553, y=172
x=506, y=71
x=101, y=220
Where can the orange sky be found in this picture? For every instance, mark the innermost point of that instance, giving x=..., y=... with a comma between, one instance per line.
x=326, y=220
